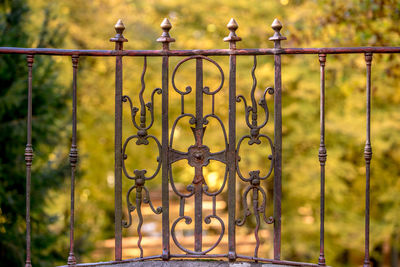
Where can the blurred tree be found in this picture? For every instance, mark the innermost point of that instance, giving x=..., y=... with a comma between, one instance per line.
x=201, y=24
x=49, y=110
x=342, y=23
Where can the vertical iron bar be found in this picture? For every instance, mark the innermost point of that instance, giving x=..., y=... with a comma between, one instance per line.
x=231, y=155
x=28, y=163
x=277, y=158
x=367, y=157
x=164, y=157
x=277, y=37
x=232, y=38
x=322, y=159
x=198, y=187
x=73, y=159
x=165, y=39
x=119, y=41
x=118, y=155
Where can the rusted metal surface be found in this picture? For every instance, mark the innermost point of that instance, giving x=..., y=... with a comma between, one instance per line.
x=142, y=138
x=73, y=159
x=165, y=39
x=193, y=263
x=205, y=52
x=119, y=40
x=254, y=138
x=28, y=162
x=188, y=261
x=367, y=157
x=277, y=38
x=322, y=159
x=231, y=155
x=199, y=155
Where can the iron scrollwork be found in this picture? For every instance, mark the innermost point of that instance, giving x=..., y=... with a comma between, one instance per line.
x=142, y=138
x=254, y=179
x=198, y=156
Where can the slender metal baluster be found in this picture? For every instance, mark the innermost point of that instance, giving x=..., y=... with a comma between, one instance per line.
x=165, y=39
x=367, y=157
x=322, y=159
x=199, y=178
x=73, y=159
x=28, y=163
x=277, y=38
x=119, y=41
x=232, y=38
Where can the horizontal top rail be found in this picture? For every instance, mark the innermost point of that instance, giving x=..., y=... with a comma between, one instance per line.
x=205, y=52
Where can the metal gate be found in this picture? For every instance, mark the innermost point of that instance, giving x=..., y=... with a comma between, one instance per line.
x=199, y=155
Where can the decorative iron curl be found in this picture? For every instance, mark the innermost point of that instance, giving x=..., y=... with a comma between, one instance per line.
x=189, y=188
x=270, y=157
x=254, y=127
x=206, y=89
x=142, y=127
x=141, y=191
x=125, y=156
x=139, y=186
x=257, y=209
x=140, y=178
x=205, y=186
x=254, y=179
x=198, y=155
x=188, y=220
x=256, y=188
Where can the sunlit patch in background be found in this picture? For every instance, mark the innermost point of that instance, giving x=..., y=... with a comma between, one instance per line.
x=284, y=2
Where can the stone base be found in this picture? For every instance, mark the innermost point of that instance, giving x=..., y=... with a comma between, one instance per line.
x=184, y=263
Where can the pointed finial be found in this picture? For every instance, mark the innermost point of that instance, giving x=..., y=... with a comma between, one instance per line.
x=277, y=26
x=119, y=26
x=166, y=27
x=119, y=29
x=232, y=27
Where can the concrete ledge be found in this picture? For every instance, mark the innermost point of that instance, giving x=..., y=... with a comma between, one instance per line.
x=185, y=263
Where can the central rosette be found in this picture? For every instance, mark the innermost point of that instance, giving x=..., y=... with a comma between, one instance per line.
x=198, y=156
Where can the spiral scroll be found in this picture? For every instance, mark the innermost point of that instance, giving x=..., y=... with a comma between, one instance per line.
x=254, y=179
x=142, y=138
x=198, y=156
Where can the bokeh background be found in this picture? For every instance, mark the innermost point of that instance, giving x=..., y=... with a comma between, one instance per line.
x=200, y=25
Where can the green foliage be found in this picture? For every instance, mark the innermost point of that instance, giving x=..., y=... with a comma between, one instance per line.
x=339, y=23
x=201, y=25
x=49, y=169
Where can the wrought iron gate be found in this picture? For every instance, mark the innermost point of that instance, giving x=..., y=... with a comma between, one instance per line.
x=199, y=155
